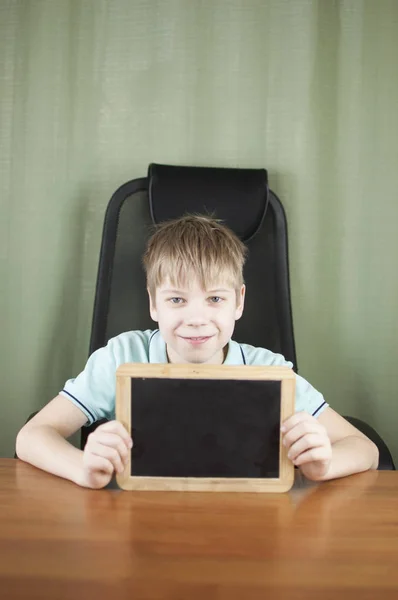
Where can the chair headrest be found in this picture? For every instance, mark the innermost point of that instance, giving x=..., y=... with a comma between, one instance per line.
x=239, y=197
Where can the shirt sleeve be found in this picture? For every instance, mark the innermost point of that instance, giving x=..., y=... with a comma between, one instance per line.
x=307, y=398
x=94, y=389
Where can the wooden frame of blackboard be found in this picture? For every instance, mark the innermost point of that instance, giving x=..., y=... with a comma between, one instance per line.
x=125, y=373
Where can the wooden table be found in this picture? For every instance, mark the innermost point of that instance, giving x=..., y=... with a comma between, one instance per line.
x=334, y=540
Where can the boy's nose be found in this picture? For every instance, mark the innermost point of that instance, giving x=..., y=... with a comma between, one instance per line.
x=196, y=320
x=197, y=316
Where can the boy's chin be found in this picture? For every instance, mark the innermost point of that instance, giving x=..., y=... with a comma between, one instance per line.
x=203, y=358
x=199, y=358
x=178, y=353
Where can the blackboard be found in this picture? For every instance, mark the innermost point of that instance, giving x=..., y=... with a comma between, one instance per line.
x=205, y=426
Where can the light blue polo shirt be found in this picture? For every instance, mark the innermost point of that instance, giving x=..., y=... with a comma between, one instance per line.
x=94, y=390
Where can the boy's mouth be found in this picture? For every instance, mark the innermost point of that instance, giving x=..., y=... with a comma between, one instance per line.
x=197, y=340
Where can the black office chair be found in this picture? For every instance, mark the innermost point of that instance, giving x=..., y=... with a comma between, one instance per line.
x=242, y=199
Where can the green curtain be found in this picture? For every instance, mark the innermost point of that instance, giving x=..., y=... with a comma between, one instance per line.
x=91, y=91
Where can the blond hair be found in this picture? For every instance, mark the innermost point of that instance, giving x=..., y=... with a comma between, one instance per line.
x=194, y=246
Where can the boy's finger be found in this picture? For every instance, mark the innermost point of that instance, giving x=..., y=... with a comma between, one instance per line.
x=311, y=440
x=117, y=427
x=99, y=463
x=110, y=454
x=113, y=440
x=314, y=454
x=295, y=419
x=300, y=430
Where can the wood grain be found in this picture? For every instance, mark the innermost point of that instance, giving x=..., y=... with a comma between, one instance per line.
x=202, y=371
x=59, y=541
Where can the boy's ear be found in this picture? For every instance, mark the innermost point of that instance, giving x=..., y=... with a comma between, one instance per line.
x=152, y=309
x=240, y=302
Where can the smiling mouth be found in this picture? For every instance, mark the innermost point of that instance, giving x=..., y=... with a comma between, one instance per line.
x=198, y=339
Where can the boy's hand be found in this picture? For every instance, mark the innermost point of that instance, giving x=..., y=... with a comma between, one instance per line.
x=308, y=444
x=107, y=450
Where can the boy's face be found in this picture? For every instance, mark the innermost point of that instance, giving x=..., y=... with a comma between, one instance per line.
x=196, y=324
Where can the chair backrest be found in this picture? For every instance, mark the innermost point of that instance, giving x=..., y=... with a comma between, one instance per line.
x=242, y=199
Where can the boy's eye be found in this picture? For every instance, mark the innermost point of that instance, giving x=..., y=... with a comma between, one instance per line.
x=176, y=300
x=215, y=299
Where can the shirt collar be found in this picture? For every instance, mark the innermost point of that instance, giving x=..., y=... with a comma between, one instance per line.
x=157, y=351
x=235, y=355
x=157, y=348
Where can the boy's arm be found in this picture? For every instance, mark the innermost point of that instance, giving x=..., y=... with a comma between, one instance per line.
x=42, y=442
x=328, y=447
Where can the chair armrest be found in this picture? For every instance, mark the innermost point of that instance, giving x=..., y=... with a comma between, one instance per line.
x=386, y=462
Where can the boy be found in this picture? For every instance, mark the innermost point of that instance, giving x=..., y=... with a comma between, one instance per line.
x=196, y=293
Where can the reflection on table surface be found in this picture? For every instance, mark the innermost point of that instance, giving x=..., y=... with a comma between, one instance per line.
x=60, y=541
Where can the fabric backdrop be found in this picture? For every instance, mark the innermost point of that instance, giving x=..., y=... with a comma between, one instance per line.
x=91, y=91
